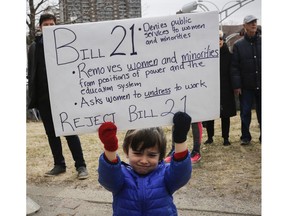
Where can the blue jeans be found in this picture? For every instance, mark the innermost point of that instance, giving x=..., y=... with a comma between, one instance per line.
x=247, y=99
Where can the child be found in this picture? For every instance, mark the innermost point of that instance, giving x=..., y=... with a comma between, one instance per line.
x=146, y=185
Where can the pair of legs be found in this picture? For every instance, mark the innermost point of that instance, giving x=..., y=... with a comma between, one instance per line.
x=247, y=99
x=55, y=142
x=225, y=127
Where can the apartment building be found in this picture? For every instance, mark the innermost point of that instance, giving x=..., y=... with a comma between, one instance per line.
x=79, y=11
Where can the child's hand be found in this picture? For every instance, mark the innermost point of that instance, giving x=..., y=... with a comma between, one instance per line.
x=182, y=122
x=107, y=134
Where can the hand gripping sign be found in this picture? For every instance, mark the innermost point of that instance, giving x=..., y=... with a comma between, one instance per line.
x=136, y=72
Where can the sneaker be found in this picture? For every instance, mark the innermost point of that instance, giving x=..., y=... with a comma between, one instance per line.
x=57, y=169
x=208, y=141
x=226, y=142
x=82, y=173
x=169, y=156
x=168, y=159
x=245, y=142
x=195, y=157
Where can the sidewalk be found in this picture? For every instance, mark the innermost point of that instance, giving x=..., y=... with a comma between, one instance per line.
x=56, y=201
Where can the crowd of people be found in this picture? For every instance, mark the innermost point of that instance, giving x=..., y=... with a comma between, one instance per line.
x=150, y=172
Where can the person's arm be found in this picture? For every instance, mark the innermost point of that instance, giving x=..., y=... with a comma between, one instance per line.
x=110, y=174
x=182, y=123
x=235, y=71
x=180, y=169
x=31, y=74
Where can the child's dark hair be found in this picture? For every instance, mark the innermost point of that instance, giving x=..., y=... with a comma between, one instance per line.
x=46, y=16
x=139, y=140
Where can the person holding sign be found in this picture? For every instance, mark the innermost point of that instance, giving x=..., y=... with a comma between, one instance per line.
x=227, y=99
x=144, y=186
x=39, y=99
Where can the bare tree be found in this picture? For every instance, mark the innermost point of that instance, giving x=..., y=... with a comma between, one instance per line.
x=34, y=9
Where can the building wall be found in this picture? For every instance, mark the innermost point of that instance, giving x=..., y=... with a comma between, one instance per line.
x=79, y=11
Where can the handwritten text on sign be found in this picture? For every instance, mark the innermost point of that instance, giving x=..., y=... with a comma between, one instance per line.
x=136, y=73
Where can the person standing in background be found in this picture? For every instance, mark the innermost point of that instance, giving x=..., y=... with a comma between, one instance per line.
x=227, y=99
x=38, y=97
x=246, y=75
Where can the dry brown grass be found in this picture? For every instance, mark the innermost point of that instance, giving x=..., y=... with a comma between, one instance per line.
x=233, y=171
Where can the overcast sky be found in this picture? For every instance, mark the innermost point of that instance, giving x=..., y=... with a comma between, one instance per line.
x=151, y=8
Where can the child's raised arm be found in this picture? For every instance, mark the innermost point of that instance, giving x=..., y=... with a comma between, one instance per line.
x=107, y=134
x=182, y=123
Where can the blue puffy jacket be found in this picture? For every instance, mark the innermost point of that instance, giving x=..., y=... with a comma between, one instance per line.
x=148, y=195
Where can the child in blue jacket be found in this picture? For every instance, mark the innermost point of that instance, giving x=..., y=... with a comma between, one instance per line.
x=144, y=186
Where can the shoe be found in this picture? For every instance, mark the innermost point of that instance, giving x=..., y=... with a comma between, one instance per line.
x=82, y=173
x=226, y=142
x=168, y=159
x=245, y=142
x=195, y=157
x=57, y=169
x=208, y=141
x=169, y=156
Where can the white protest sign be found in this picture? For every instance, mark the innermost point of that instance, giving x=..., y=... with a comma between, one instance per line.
x=135, y=72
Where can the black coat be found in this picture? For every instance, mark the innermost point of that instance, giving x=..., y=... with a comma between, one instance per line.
x=31, y=77
x=246, y=63
x=227, y=100
x=37, y=77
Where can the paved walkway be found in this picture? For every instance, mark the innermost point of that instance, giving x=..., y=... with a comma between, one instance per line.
x=56, y=201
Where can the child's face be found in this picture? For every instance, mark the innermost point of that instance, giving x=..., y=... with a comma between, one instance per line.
x=144, y=162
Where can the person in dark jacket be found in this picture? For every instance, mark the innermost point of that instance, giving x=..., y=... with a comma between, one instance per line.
x=227, y=99
x=144, y=186
x=38, y=97
x=246, y=75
